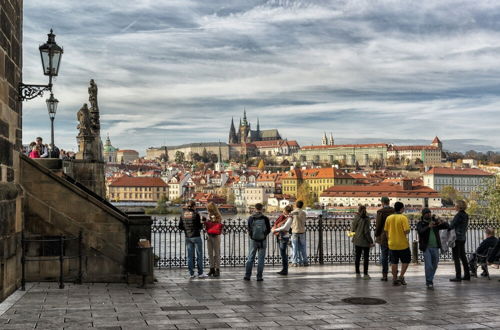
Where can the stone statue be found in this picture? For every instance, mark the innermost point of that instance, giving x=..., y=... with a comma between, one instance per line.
x=93, y=96
x=84, y=120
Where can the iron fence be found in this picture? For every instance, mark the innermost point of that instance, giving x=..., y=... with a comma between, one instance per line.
x=327, y=242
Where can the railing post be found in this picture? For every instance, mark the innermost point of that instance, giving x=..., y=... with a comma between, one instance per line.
x=61, y=262
x=414, y=252
x=23, y=263
x=80, y=252
x=320, y=239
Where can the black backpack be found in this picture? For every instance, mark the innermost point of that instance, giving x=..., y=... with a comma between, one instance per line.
x=258, y=229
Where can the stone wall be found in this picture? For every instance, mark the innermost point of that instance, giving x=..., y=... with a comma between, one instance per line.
x=89, y=173
x=55, y=206
x=10, y=143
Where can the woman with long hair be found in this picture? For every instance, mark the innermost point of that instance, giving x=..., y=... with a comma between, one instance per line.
x=213, y=227
x=362, y=240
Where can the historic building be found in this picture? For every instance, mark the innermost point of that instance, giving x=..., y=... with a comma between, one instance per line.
x=318, y=179
x=464, y=180
x=426, y=155
x=245, y=134
x=189, y=150
x=405, y=191
x=345, y=154
x=109, y=152
x=137, y=189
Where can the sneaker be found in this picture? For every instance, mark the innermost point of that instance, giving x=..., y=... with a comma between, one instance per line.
x=246, y=278
x=396, y=283
x=455, y=279
x=466, y=278
x=202, y=276
x=430, y=286
x=366, y=277
x=384, y=279
x=192, y=276
x=402, y=280
x=260, y=279
x=484, y=274
x=282, y=273
x=295, y=265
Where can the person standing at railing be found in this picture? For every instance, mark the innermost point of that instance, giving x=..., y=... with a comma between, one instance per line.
x=259, y=228
x=460, y=223
x=362, y=240
x=299, y=244
x=429, y=242
x=190, y=223
x=281, y=229
x=213, y=225
x=381, y=237
x=397, y=228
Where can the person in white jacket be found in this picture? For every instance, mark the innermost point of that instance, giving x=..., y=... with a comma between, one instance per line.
x=281, y=229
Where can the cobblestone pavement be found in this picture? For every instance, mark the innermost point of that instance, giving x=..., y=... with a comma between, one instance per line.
x=309, y=298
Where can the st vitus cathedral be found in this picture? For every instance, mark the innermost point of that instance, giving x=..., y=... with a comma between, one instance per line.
x=246, y=135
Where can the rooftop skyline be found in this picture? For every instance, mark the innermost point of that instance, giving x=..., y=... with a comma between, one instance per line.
x=173, y=72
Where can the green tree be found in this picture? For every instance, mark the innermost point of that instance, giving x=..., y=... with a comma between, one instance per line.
x=204, y=155
x=196, y=157
x=450, y=195
x=305, y=194
x=179, y=157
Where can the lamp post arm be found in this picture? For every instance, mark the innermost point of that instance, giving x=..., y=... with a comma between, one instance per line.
x=28, y=92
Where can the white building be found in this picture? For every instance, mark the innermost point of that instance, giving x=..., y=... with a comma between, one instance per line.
x=177, y=185
x=370, y=195
x=428, y=155
x=464, y=180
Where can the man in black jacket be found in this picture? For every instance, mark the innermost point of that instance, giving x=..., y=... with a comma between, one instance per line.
x=380, y=235
x=429, y=242
x=190, y=222
x=258, y=229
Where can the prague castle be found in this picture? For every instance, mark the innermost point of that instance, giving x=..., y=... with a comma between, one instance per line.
x=246, y=135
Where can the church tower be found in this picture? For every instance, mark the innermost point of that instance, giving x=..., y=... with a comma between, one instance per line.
x=233, y=138
x=331, y=140
x=324, y=140
x=245, y=129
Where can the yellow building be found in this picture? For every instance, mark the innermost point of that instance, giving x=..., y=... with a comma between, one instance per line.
x=137, y=189
x=318, y=179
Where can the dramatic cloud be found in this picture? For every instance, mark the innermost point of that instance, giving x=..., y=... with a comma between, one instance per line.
x=177, y=71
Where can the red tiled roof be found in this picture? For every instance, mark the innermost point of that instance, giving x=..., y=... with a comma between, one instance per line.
x=401, y=148
x=458, y=171
x=436, y=140
x=379, y=190
x=127, y=181
x=373, y=145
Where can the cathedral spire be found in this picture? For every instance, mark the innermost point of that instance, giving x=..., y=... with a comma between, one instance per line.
x=258, y=125
x=232, y=133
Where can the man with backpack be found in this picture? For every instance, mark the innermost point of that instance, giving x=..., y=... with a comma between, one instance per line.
x=258, y=229
x=190, y=223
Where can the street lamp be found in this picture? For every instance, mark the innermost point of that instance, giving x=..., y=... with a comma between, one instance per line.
x=52, y=108
x=50, y=53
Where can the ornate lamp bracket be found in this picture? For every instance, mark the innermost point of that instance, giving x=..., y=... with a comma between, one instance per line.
x=28, y=92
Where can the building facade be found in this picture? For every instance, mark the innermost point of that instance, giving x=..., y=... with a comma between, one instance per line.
x=464, y=180
x=137, y=189
x=427, y=155
x=109, y=152
x=407, y=193
x=318, y=180
x=126, y=156
x=189, y=150
x=345, y=154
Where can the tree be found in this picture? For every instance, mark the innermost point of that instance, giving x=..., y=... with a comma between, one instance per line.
x=204, y=155
x=261, y=165
x=196, y=157
x=179, y=157
x=450, y=195
x=305, y=194
x=214, y=158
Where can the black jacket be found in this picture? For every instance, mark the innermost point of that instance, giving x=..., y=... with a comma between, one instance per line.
x=190, y=222
x=460, y=223
x=380, y=235
x=485, y=245
x=495, y=252
x=424, y=231
x=258, y=215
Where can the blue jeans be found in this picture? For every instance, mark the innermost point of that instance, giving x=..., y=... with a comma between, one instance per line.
x=384, y=259
x=253, y=247
x=283, y=245
x=192, y=244
x=431, y=260
x=299, y=248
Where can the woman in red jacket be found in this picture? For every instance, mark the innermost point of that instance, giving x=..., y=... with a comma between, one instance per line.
x=213, y=226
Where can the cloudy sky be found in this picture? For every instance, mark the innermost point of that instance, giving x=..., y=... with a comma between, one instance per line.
x=176, y=71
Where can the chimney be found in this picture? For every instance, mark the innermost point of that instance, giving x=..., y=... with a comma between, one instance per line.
x=407, y=184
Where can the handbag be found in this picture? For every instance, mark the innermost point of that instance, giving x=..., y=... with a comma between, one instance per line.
x=214, y=228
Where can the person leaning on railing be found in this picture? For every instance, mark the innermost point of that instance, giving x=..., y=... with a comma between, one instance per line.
x=299, y=244
x=281, y=229
x=362, y=240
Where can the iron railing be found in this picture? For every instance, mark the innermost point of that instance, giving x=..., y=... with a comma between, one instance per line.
x=327, y=242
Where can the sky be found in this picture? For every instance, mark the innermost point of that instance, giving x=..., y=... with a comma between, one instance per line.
x=177, y=71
